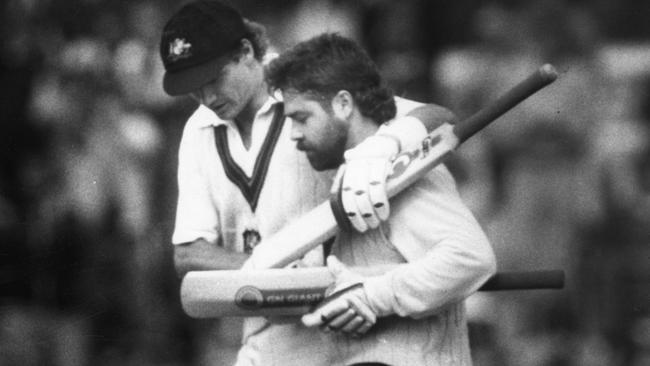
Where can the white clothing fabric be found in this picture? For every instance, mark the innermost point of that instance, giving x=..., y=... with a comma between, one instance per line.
x=228, y=192
x=421, y=304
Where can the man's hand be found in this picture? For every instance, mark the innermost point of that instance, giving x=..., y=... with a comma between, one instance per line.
x=346, y=309
x=362, y=181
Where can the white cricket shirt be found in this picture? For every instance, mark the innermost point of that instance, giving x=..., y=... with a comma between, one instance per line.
x=449, y=257
x=225, y=189
x=227, y=193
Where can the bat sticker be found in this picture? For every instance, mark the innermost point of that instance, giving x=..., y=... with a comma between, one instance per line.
x=252, y=298
x=249, y=298
x=428, y=143
x=402, y=161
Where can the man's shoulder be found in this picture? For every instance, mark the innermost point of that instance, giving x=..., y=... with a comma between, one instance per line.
x=402, y=102
x=202, y=117
x=405, y=106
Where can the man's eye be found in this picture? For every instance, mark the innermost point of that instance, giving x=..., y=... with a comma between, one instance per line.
x=299, y=119
x=217, y=78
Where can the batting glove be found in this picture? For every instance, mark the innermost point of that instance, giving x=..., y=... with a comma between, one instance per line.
x=362, y=181
x=347, y=308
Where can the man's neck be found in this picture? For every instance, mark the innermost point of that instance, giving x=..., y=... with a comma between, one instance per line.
x=360, y=128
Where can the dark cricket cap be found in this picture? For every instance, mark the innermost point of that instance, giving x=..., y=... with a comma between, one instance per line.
x=195, y=43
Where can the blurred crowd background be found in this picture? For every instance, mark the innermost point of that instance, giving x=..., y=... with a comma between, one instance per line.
x=88, y=144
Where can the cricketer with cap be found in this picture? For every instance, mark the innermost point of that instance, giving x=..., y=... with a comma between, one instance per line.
x=240, y=178
x=413, y=315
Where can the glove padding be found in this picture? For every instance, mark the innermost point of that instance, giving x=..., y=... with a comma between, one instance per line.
x=362, y=181
x=347, y=308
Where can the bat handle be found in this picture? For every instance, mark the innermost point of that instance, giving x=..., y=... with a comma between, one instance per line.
x=525, y=280
x=529, y=86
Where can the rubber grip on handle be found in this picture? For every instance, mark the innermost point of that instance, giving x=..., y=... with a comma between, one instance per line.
x=525, y=280
x=545, y=75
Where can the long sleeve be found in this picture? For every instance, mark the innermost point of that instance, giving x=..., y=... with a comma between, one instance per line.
x=449, y=256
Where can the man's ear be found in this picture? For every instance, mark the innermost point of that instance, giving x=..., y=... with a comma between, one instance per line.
x=247, y=52
x=343, y=105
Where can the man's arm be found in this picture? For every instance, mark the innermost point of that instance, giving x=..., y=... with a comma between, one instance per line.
x=201, y=255
x=432, y=116
x=197, y=233
x=448, y=252
x=449, y=257
x=414, y=121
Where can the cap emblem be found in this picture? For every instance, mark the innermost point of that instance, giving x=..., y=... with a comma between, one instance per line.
x=179, y=49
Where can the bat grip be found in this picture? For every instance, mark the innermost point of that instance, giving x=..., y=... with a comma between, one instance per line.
x=529, y=86
x=525, y=280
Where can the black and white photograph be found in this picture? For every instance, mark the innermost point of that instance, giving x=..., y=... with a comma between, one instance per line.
x=325, y=183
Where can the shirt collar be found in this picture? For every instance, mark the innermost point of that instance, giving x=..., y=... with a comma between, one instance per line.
x=210, y=119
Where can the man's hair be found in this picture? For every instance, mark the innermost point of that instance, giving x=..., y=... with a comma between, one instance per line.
x=326, y=64
x=256, y=35
x=258, y=38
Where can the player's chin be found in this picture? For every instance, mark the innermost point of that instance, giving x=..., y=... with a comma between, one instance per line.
x=226, y=112
x=226, y=116
x=320, y=163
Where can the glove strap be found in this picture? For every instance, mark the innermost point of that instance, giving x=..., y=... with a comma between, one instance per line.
x=335, y=295
x=336, y=204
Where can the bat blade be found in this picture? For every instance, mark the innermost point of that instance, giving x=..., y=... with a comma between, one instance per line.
x=304, y=234
x=287, y=292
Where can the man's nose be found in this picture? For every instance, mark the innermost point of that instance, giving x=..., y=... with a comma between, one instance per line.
x=296, y=132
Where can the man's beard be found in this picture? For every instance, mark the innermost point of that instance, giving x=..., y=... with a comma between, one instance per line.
x=324, y=161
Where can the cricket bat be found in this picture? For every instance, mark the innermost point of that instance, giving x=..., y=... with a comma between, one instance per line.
x=294, y=291
x=321, y=223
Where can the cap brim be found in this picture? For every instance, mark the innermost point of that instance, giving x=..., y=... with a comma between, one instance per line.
x=188, y=80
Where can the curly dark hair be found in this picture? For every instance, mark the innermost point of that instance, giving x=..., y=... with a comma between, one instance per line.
x=326, y=64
